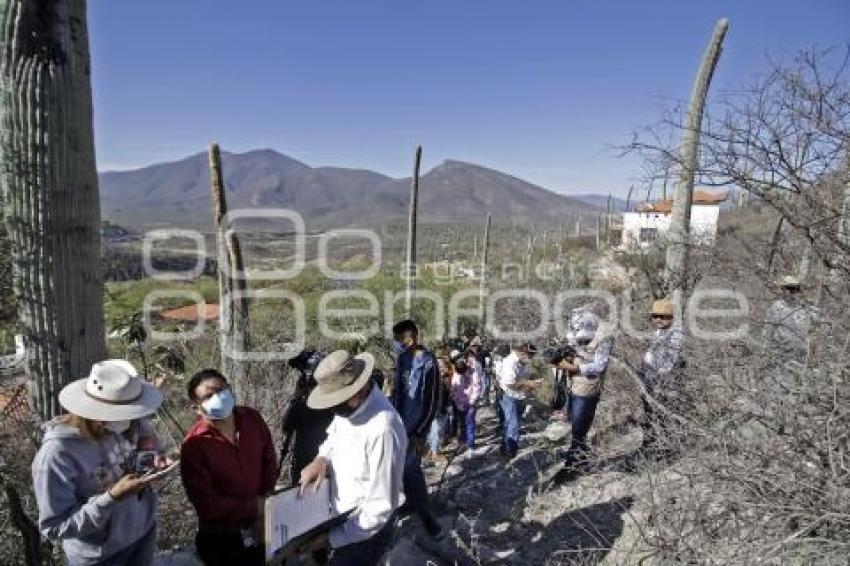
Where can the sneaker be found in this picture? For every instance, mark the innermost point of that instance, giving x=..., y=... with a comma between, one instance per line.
x=577, y=461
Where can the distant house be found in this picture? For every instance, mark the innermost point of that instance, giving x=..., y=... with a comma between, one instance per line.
x=16, y=360
x=651, y=220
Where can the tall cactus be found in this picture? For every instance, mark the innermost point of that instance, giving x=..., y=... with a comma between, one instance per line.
x=680, y=216
x=485, y=273
x=410, y=265
x=233, y=302
x=50, y=191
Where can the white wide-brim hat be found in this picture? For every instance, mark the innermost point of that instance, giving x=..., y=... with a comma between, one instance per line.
x=113, y=391
x=339, y=377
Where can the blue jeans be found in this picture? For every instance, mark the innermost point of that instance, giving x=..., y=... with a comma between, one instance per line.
x=365, y=552
x=487, y=386
x=437, y=432
x=140, y=553
x=466, y=426
x=582, y=411
x=513, y=409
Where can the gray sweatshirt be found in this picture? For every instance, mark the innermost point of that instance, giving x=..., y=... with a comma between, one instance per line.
x=71, y=475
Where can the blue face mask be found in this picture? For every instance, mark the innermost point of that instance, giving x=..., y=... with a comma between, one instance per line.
x=220, y=405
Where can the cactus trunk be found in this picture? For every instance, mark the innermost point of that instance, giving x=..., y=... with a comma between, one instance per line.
x=233, y=303
x=410, y=265
x=50, y=192
x=680, y=216
x=485, y=252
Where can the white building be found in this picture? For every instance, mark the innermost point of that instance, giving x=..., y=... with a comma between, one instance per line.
x=651, y=220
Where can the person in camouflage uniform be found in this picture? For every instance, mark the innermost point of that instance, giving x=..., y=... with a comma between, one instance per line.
x=663, y=357
x=788, y=322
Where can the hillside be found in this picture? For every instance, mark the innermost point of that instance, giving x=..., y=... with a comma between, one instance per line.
x=178, y=193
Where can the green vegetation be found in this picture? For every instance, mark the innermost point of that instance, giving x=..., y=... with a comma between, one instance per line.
x=127, y=297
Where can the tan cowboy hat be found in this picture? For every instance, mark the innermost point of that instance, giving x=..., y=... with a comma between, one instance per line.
x=113, y=391
x=663, y=307
x=339, y=377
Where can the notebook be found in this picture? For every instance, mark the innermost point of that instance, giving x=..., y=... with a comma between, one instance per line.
x=289, y=516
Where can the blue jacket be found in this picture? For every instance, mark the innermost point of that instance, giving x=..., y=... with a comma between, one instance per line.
x=416, y=395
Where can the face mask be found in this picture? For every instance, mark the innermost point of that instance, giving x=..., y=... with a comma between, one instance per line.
x=219, y=406
x=118, y=427
x=343, y=410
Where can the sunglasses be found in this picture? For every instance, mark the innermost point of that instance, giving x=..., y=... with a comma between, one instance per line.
x=660, y=316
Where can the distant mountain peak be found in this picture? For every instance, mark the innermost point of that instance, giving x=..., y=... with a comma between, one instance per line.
x=178, y=193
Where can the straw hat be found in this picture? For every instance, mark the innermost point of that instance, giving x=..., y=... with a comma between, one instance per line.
x=789, y=282
x=663, y=307
x=339, y=377
x=111, y=392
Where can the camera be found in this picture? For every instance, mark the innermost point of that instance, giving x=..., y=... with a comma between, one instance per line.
x=305, y=363
x=560, y=354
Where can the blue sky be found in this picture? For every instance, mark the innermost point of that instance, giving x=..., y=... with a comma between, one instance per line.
x=537, y=88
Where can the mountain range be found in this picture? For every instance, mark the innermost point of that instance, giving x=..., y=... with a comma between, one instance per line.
x=177, y=194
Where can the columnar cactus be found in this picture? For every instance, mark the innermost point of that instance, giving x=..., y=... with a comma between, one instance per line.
x=409, y=268
x=485, y=256
x=50, y=191
x=680, y=216
x=233, y=302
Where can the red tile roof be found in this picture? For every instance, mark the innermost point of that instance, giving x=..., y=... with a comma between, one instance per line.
x=665, y=206
x=208, y=312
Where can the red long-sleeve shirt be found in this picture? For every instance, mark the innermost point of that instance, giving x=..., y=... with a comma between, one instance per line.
x=222, y=480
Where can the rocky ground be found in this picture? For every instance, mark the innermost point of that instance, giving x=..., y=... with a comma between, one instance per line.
x=513, y=512
x=501, y=511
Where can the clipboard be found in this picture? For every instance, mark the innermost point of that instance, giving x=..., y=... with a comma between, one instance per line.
x=290, y=520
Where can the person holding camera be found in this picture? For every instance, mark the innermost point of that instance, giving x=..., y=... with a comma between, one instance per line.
x=304, y=429
x=89, y=476
x=585, y=362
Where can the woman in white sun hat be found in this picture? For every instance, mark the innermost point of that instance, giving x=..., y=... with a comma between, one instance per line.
x=86, y=474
